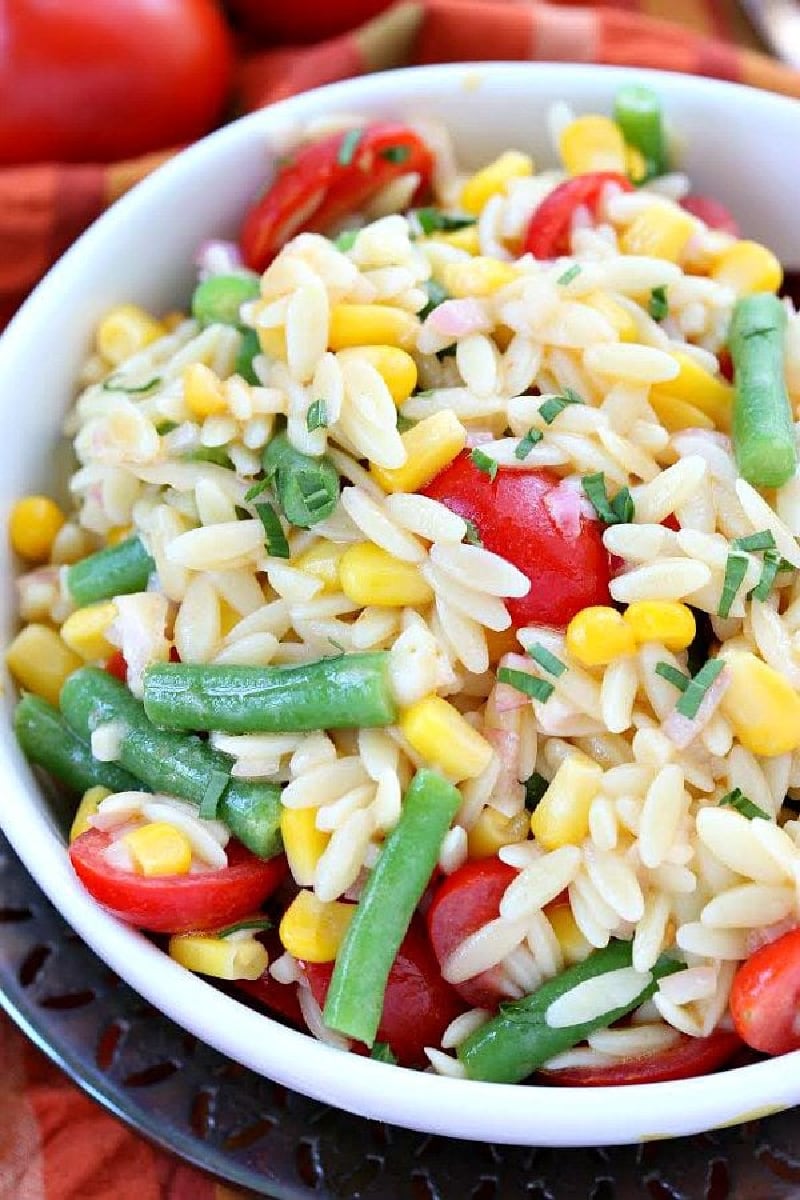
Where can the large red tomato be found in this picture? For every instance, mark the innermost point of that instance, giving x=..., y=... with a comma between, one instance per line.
x=304, y=20
x=99, y=81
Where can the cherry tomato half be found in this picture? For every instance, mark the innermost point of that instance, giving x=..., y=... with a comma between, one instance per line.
x=87, y=81
x=465, y=902
x=538, y=523
x=548, y=233
x=176, y=903
x=116, y=666
x=328, y=180
x=418, y=1004
x=713, y=212
x=765, y=996
x=687, y=1058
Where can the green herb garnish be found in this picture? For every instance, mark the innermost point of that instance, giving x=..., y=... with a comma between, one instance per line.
x=436, y=296
x=535, y=788
x=382, y=1052
x=556, y=404
x=763, y=540
x=276, y=543
x=217, y=782
x=735, y=571
x=547, y=661
x=769, y=572
x=257, y=924
x=571, y=273
x=658, y=305
x=484, y=463
x=348, y=146
x=673, y=676
x=258, y=487
x=526, y=443
x=433, y=220
x=317, y=416
x=395, y=154
x=111, y=385
x=695, y=693
x=737, y=799
x=529, y=685
x=619, y=511
x=472, y=537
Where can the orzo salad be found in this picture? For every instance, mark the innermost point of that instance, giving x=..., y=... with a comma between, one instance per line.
x=422, y=644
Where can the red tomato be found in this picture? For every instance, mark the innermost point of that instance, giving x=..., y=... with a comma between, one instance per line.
x=88, y=81
x=466, y=901
x=725, y=364
x=713, y=212
x=277, y=998
x=535, y=521
x=687, y=1058
x=765, y=996
x=418, y=1005
x=176, y=903
x=315, y=189
x=117, y=666
x=548, y=233
x=304, y=20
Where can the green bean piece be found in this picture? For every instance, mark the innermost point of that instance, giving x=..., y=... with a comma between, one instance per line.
x=346, y=691
x=116, y=571
x=47, y=740
x=307, y=488
x=249, y=347
x=637, y=111
x=391, y=894
x=518, y=1040
x=763, y=433
x=174, y=763
x=217, y=300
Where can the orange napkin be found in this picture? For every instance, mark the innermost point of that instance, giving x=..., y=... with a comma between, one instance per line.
x=55, y=1144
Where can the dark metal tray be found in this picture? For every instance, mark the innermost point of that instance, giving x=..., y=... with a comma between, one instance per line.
x=248, y=1131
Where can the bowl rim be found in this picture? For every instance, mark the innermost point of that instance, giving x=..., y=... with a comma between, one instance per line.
x=515, y=1114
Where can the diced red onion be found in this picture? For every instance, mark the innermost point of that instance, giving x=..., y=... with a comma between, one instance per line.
x=457, y=318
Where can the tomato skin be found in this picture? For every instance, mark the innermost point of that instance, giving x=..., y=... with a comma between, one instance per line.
x=713, y=212
x=569, y=568
x=117, y=666
x=314, y=190
x=177, y=903
x=548, y=233
x=305, y=20
x=418, y=1004
x=467, y=900
x=765, y=996
x=86, y=81
x=687, y=1058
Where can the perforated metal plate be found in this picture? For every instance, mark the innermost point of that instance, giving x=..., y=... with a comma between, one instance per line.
x=256, y=1134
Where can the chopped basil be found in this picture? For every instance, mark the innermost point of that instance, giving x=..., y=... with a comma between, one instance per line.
x=346, y=240
x=209, y=454
x=258, y=487
x=165, y=427
x=571, y=273
x=395, y=154
x=547, y=661
x=276, y=543
x=619, y=511
x=763, y=540
x=673, y=675
x=535, y=788
x=735, y=571
x=526, y=443
x=658, y=306
x=769, y=573
x=436, y=296
x=257, y=924
x=529, y=685
x=433, y=220
x=111, y=385
x=484, y=463
x=737, y=799
x=348, y=146
x=382, y=1052
x=217, y=783
x=694, y=695
x=556, y=404
x=317, y=416
x=472, y=537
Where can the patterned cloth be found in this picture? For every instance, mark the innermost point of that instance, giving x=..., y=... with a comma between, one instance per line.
x=55, y=1143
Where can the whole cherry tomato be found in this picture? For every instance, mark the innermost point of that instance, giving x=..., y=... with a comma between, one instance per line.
x=539, y=523
x=766, y=994
x=687, y=1058
x=304, y=20
x=418, y=1005
x=465, y=902
x=89, y=81
x=548, y=233
x=329, y=179
x=713, y=212
x=176, y=903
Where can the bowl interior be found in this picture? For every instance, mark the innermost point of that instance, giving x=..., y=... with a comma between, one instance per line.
x=142, y=250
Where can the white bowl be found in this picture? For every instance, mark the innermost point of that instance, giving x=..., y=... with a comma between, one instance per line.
x=738, y=144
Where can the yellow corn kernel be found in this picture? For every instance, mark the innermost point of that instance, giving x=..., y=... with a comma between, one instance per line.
x=658, y=232
x=431, y=445
x=273, y=343
x=761, y=705
x=478, y=276
x=158, y=848
x=370, y=575
x=666, y=621
x=125, y=330
x=395, y=366
x=635, y=164
x=675, y=414
x=202, y=391
x=90, y=802
x=467, y=239
x=440, y=735
x=84, y=631
x=598, y=635
x=712, y=394
x=748, y=267
x=592, y=143
x=32, y=527
x=371, y=325
x=118, y=534
x=322, y=561
x=561, y=818
x=615, y=314
x=493, y=179
x=493, y=830
x=312, y=930
x=40, y=661
x=221, y=958
x=574, y=945
x=303, y=843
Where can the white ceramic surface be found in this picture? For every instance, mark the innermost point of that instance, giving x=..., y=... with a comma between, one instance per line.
x=737, y=143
